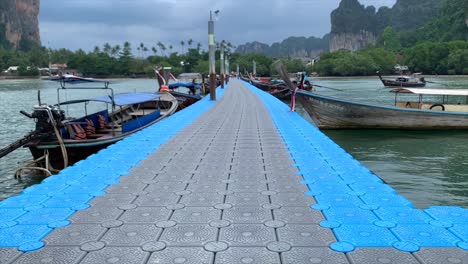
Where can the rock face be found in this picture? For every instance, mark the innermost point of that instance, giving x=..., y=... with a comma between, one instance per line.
x=355, y=26
x=19, y=21
x=352, y=41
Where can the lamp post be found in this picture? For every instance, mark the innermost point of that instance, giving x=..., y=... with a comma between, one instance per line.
x=211, y=56
x=221, y=64
x=228, y=71
x=254, y=72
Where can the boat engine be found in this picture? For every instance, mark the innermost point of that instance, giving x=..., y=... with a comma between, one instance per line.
x=42, y=115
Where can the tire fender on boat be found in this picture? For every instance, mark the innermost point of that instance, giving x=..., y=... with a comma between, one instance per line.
x=435, y=105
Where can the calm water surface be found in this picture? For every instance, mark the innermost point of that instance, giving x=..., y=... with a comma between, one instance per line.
x=428, y=168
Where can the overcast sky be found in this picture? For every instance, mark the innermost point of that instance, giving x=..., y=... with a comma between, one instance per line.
x=75, y=24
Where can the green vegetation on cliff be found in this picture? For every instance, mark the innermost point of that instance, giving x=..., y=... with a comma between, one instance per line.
x=428, y=36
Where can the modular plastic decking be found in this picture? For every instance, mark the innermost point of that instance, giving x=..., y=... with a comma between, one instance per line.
x=239, y=180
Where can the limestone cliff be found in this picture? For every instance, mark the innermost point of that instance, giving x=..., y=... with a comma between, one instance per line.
x=352, y=41
x=355, y=26
x=19, y=22
x=294, y=47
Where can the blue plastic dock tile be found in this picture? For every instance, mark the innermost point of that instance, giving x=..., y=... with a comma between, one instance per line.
x=93, y=189
x=461, y=231
x=23, y=200
x=72, y=201
x=365, y=235
x=10, y=214
x=350, y=215
x=425, y=235
x=403, y=215
x=454, y=214
x=45, y=189
x=386, y=200
x=44, y=216
x=339, y=200
x=21, y=234
x=370, y=187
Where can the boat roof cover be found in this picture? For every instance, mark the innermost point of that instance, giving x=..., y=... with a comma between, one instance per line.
x=127, y=98
x=188, y=75
x=463, y=92
x=188, y=85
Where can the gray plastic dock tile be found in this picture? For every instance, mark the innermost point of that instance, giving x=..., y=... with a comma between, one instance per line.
x=8, y=254
x=322, y=255
x=96, y=215
x=117, y=255
x=442, y=255
x=298, y=215
x=247, y=235
x=126, y=188
x=309, y=235
x=166, y=187
x=202, y=199
x=149, y=215
x=75, y=235
x=247, y=199
x=247, y=215
x=292, y=199
x=185, y=255
x=196, y=215
x=238, y=255
x=207, y=187
x=56, y=255
x=157, y=199
x=112, y=200
x=381, y=255
x=131, y=235
x=189, y=235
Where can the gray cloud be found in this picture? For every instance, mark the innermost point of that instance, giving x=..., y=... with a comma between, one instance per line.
x=86, y=23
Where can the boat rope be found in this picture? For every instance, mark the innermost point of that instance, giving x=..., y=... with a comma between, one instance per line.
x=33, y=165
x=59, y=139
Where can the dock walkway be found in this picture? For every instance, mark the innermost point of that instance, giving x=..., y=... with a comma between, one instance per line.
x=241, y=180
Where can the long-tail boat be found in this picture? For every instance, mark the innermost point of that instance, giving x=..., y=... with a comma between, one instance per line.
x=62, y=140
x=450, y=111
x=404, y=81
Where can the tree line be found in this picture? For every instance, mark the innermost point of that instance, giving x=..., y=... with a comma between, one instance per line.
x=125, y=61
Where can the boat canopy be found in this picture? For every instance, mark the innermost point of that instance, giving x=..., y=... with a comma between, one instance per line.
x=190, y=75
x=187, y=85
x=119, y=99
x=460, y=92
x=127, y=98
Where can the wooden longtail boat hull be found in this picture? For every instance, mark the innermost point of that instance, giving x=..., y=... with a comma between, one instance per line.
x=390, y=83
x=184, y=99
x=334, y=113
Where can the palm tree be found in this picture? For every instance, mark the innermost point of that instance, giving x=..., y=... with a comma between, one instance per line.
x=182, y=43
x=198, y=47
x=162, y=47
x=154, y=50
x=107, y=48
x=145, y=49
x=127, y=49
x=190, y=42
x=115, y=50
x=170, y=48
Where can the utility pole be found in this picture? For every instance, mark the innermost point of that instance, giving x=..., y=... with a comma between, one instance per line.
x=254, y=71
x=211, y=53
x=221, y=64
x=228, y=70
